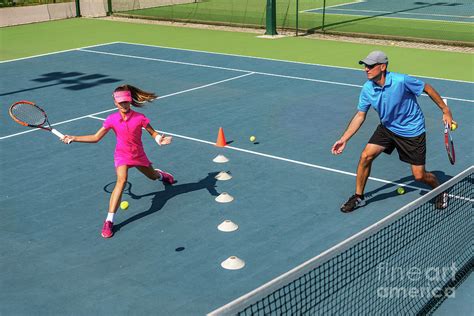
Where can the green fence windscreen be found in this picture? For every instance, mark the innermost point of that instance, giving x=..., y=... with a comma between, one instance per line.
x=451, y=20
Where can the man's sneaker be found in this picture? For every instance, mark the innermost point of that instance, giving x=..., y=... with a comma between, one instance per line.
x=353, y=203
x=442, y=201
x=107, y=230
x=166, y=177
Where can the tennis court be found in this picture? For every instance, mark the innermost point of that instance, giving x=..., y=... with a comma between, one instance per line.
x=458, y=11
x=287, y=186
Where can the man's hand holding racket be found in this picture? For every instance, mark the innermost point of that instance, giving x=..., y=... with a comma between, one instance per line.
x=447, y=115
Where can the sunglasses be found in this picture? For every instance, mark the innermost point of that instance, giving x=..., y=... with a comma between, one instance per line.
x=371, y=66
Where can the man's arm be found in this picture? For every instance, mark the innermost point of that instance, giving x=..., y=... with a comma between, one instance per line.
x=351, y=129
x=434, y=95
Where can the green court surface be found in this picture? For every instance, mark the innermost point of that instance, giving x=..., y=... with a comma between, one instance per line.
x=28, y=40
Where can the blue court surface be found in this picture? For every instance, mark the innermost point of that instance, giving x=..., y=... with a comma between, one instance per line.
x=287, y=187
x=457, y=11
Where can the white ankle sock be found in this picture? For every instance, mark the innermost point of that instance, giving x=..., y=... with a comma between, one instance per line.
x=110, y=217
x=159, y=175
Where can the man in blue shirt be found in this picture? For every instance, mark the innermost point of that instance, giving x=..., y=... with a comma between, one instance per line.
x=402, y=124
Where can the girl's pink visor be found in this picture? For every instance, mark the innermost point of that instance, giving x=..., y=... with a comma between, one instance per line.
x=123, y=96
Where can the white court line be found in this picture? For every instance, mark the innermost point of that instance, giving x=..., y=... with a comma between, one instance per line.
x=405, y=13
x=96, y=117
x=57, y=52
x=109, y=110
x=279, y=158
x=220, y=68
x=273, y=59
x=162, y=60
x=242, y=70
x=403, y=18
x=336, y=5
x=207, y=85
x=231, y=55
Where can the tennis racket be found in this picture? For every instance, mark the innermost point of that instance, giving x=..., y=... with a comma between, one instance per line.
x=449, y=144
x=448, y=141
x=27, y=113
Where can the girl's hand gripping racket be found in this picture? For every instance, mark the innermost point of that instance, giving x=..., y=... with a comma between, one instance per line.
x=27, y=113
x=449, y=144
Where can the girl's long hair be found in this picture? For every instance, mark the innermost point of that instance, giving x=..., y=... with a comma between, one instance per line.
x=139, y=97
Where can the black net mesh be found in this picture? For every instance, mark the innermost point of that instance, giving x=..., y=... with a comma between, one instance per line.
x=407, y=267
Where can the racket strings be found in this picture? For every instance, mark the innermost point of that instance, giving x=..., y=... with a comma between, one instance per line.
x=28, y=114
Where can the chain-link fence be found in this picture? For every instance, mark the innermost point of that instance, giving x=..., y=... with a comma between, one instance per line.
x=450, y=21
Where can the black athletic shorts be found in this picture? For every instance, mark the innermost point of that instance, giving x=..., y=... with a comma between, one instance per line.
x=411, y=150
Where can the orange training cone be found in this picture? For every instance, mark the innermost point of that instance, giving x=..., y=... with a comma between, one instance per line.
x=221, y=142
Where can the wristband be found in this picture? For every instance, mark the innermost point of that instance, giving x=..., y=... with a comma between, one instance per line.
x=158, y=139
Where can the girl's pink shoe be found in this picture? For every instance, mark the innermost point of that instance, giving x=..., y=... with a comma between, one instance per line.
x=166, y=177
x=107, y=230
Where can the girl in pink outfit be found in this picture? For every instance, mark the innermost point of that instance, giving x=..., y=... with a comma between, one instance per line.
x=127, y=126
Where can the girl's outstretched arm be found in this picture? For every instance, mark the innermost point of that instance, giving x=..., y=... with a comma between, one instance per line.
x=86, y=138
x=160, y=139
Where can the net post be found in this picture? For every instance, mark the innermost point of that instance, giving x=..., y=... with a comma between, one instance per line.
x=297, y=13
x=324, y=15
x=271, y=18
x=109, y=7
x=78, y=8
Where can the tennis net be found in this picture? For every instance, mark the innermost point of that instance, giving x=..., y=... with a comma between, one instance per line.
x=407, y=263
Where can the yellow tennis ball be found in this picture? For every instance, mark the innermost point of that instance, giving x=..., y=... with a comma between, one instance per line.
x=400, y=190
x=454, y=126
x=253, y=138
x=124, y=205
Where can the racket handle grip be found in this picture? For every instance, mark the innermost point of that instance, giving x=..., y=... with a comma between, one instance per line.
x=57, y=133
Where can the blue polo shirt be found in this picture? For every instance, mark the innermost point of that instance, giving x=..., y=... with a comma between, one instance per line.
x=395, y=103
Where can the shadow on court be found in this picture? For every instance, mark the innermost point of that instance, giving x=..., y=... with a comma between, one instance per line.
x=161, y=197
x=71, y=80
x=375, y=196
